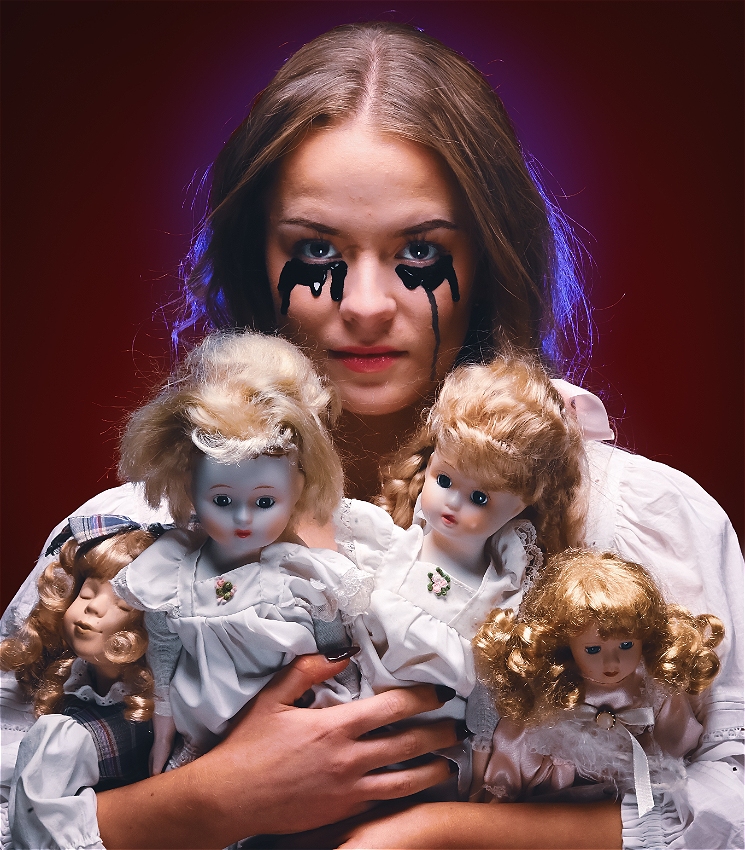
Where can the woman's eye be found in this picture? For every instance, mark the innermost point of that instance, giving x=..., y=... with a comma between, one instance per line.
x=264, y=502
x=444, y=480
x=479, y=498
x=222, y=501
x=421, y=252
x=592, y=650
x=317, y=249
x=627, y=644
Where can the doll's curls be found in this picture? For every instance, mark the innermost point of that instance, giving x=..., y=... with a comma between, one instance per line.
x=38, y=652
x=505, y=425
x=525, y=658
x=235, y=396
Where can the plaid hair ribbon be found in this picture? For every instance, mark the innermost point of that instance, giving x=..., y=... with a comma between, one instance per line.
x=94, y=529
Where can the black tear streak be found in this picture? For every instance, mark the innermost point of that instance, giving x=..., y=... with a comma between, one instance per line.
x=429, y=278
x=313, y=275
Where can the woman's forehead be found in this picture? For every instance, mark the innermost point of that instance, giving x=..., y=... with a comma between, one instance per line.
x=355, y=168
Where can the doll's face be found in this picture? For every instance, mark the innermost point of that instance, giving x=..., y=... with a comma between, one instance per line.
x=96, y=614
x=606, y=662
x=375, y=202
x=459, y=507
x=245, y=506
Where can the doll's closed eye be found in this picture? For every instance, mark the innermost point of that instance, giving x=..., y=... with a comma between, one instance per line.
x=479, y=498
x=222, y=501
x=265, y=502
x=444, y=480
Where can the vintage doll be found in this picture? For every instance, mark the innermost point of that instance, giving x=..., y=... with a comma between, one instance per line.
x=591, y=678
x=497, y=440
x=238, y=438
x=79, y=657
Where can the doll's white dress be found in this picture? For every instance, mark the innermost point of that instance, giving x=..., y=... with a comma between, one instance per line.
x=233, y=646
x=538, y=761
x=58, y=766
x=409, y=634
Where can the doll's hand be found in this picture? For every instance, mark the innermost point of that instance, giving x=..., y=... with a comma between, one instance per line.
x=164, y=731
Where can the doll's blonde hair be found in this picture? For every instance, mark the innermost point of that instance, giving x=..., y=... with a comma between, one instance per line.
x=40, y=655
x=525, y=658
x=505, y=425
x=236, y=396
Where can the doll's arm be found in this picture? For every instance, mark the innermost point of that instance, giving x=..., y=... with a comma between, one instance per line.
x=676, y=729
x=252, y=782
x=163, y=650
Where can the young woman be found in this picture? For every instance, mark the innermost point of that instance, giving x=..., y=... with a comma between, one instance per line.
x=376, y=209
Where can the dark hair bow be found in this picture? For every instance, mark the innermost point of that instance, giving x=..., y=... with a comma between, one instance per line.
x=89, y=530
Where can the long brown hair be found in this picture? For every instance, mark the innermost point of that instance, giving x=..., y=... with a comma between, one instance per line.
x=413, y=86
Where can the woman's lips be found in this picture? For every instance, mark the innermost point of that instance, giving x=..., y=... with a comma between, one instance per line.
x=366, y=358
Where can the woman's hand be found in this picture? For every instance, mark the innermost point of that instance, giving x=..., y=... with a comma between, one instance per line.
x=281, y=768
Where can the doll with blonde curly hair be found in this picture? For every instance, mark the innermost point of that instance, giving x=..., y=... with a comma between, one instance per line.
x=80, y=658
x=491, y=481
x=591, y=678
x=237, y=444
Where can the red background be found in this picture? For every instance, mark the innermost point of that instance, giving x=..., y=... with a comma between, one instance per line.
x=112, y=111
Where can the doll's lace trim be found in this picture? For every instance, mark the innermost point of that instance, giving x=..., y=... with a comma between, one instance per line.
x=78, y=684
x=734, y=733
x=344, y=536
x=354, y=592
x=528, y=536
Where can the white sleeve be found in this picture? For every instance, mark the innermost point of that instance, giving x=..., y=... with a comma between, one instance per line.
x=163, y=650
x=47, y=808
x=659, y=517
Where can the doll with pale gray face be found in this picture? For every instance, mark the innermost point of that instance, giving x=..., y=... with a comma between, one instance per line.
x=237, y=444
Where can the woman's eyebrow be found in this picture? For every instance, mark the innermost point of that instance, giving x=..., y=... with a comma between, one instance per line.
x=311, y=225
x=432, y=224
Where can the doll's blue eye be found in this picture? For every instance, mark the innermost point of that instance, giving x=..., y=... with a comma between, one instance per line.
x=592, y=650
x=264, y=502
x=222, y=501
x=627, y=644
x=444, y=481
x=479, y=498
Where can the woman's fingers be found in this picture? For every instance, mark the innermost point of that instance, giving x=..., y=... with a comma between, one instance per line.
x=390, y=707
x=400, y=745
x=392, y=784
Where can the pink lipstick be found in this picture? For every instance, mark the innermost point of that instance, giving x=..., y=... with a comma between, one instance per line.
x=371, y=358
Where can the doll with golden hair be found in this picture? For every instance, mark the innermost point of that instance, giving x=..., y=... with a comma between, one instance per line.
x=591, y=679
x=491, y=481
x=80, y=659
x=236, y=443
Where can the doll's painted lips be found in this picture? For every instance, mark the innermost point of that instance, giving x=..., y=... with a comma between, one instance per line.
x=243, y=534
x=449, y=519
x=372, y=358
x=84, y=626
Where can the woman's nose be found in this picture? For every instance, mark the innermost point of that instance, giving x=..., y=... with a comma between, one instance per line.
x=368, y=303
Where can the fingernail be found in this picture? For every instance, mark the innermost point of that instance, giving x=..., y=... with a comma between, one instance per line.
x=306, y=700
x=444, y=693
x=342, y=653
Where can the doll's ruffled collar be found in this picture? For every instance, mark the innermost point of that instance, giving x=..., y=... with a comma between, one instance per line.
x=79, y=684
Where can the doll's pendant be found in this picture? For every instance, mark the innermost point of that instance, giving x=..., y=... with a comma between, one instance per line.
x=224, y=590
x=605, y=719
x=438, y=584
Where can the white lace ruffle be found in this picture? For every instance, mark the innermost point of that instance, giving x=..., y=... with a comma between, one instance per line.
x=528, y=536
x=78, y=684
x=354, y=592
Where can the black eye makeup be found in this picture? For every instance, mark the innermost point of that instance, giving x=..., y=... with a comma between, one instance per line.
x=429, y=278
x=296, y=272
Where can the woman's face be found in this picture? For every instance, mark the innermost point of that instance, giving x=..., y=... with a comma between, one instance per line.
x=376, y=202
